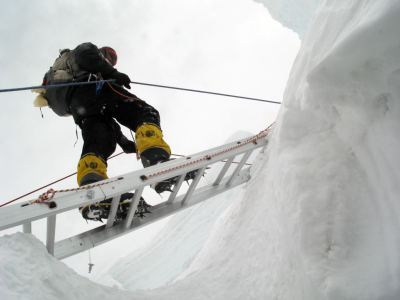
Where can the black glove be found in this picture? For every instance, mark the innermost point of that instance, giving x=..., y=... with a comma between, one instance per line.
x=121, y=78
x=126, y=145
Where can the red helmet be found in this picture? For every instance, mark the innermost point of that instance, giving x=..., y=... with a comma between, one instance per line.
x=109, y=54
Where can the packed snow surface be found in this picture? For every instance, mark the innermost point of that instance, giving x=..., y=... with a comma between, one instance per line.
x=320, y=218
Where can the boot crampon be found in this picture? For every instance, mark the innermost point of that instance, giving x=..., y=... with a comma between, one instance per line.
x=166, y=185
x=100, y=210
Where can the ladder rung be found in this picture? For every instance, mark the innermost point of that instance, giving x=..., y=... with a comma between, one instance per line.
x=27, y=227
x=224, y=170
x=113, y=211
x=51, y=234
x=133, y=207
x=194, y=184
x=239, y=167
x=177, y=186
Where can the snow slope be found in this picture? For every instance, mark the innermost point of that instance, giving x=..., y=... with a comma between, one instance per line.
x=29, y=272
x=320, y=217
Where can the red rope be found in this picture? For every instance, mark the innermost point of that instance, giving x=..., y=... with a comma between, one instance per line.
x=44, y=197
x=47, y=185
x=253, y=139
x=125, y=96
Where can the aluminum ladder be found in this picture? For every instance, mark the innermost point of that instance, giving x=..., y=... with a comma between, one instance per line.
x=24, y=214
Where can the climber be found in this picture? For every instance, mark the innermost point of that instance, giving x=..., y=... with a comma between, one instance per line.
x=96, y=113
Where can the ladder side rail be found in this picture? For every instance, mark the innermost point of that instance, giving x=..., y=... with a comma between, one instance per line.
x=176, y=188
x=191, y=159
x=97, y=236
x=193, y=185
x=14, y=215
x=133, y=180
x=113, y=211
x=191, y=165
x=51, y=234
x=133, y=207
x=240, y=166
x=20, y=213
x=224, y=170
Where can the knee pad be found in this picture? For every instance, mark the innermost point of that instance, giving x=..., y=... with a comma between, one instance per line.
x=150, y=136
x=91, y=169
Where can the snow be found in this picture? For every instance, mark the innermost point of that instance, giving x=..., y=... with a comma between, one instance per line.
x=29, y=272
x=320, y=217
x=295, y=16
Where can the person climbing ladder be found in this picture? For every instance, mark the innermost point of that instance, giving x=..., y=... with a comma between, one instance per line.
x=97, y=110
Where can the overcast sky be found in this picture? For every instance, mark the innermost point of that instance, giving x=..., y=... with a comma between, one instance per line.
x=225, y=46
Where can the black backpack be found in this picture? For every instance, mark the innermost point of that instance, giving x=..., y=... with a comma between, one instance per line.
x=64, y=70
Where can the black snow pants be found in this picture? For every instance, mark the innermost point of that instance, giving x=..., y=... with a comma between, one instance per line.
x=96, y=115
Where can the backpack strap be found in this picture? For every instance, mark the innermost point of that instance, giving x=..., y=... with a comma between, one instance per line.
x=77, y=72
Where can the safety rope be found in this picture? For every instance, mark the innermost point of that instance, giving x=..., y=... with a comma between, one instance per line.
x=49, y=195
x=234, y=162
x=253, y=139
x=61, y=179
x=204, y=92
x=133, y=82
x=55, y=85
x=49, y=184
x=125, y=96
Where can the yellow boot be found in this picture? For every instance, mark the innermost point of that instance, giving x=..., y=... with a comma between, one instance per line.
x=91, y=169
x=151, y=146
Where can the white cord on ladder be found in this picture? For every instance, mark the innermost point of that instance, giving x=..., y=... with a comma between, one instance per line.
x=90, y=263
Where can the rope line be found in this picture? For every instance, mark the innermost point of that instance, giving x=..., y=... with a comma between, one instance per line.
x=54, y=85
x=125, y=96
x=61, y=179
x=204, y=92
x=253, y=139
x=134, y=82
x=48, y=185
x=49, y=195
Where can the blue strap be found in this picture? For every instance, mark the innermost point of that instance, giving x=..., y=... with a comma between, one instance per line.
x=99, y=88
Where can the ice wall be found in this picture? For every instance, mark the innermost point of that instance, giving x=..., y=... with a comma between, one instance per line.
x=295, y=15
x=320, y=218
